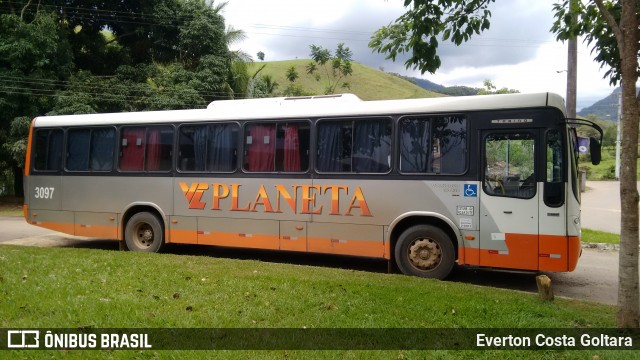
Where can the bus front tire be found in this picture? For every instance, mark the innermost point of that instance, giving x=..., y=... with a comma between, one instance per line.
x=425, y=251
x=144, y=232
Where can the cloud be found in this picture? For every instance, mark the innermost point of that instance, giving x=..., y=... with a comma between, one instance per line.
x=518, y=29
x=518, y=51
x=284, y=29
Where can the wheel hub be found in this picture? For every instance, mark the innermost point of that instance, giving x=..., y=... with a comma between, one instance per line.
x=145, y=235
x=425, y=254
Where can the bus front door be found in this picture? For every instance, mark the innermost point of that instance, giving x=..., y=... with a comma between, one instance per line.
x=509, y=200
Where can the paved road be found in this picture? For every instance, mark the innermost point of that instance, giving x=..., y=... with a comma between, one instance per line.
x=595, y=278
x=14, y=227
x=601, y=206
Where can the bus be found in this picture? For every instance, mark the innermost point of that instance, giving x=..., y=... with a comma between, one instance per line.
x=481, y=181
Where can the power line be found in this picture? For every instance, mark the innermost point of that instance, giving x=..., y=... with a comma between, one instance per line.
x=114, y=16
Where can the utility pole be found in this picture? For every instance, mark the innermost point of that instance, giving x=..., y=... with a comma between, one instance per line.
x=572, y=69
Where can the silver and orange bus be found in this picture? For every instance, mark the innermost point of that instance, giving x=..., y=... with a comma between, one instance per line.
x=483, y=181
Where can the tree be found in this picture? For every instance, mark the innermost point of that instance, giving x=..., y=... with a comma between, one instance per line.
x=292, y=74
x=260, y=55
x=74, y=56
x=336, y=68
x=263, y=87
x=490, y=89
x=35, y=60
x=611, y=28
x=417, y=31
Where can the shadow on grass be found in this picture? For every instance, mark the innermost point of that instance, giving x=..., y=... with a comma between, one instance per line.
x=521, y=281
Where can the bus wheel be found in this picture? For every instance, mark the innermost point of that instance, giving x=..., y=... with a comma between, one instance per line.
x=425, y=251
x=144, y=233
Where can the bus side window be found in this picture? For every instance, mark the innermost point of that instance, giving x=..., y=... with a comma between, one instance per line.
x=212, y=148
x=90, y=149
x=132, y=145
x=433, y=145
x=146, y=148
x=102, y=149
x=78, y=141
x=260, y=147
x=159, y=148
x=48, y=149
x=359, y=146
x=277, y=147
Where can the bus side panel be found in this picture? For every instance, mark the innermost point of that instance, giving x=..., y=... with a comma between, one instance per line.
x=366, y=207
x=183, y=230
x=100, y=201
x=55, y=220
x=260, y=213
x=255, y=234
x=45, y=195
x=98, y=225
x=45, y=192
x=293, y=235
x=347, y=239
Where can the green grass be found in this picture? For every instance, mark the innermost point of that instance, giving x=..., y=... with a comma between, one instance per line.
x=10, y=206
x=10, y=212
x=71, y=288
x=366, y=82
x=606, y=169
x=594, y=236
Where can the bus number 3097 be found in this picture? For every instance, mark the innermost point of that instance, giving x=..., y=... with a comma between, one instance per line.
x=44, y=192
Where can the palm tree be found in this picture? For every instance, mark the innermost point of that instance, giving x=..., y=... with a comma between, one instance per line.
x=240, y=60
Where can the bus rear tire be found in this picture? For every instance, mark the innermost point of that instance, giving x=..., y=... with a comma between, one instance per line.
x=144, y=232
x=425, y=251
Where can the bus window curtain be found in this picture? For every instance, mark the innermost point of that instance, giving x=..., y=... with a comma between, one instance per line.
x=291, y=159
x=261, y=148
x=222, y=148
x=415, y=146
x=200, y=147
x=154, y=154
x=78, y=150
x=54, y=155
x=132, y=156
x=102, y=147
x=371, y=148
x=330, y=147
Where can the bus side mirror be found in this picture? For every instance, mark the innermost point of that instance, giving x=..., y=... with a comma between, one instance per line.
x=594, y=149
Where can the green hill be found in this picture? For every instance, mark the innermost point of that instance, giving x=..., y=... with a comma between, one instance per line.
x=367, y=83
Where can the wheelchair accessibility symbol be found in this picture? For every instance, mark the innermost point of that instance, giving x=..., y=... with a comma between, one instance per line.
x=470, y=190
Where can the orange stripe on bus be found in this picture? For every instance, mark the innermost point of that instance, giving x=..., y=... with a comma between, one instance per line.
x=253, y=241
x=554, y=253
x=27, y=161
x=183, y=236
x=574, y=252
x=521, y=254
x=96, y=231
x=56, y=226
x=461, y=255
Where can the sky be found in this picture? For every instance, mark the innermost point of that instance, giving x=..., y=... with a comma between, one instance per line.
x=518, y=51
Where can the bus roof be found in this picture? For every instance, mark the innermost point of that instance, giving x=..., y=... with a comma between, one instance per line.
x=313, y=106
